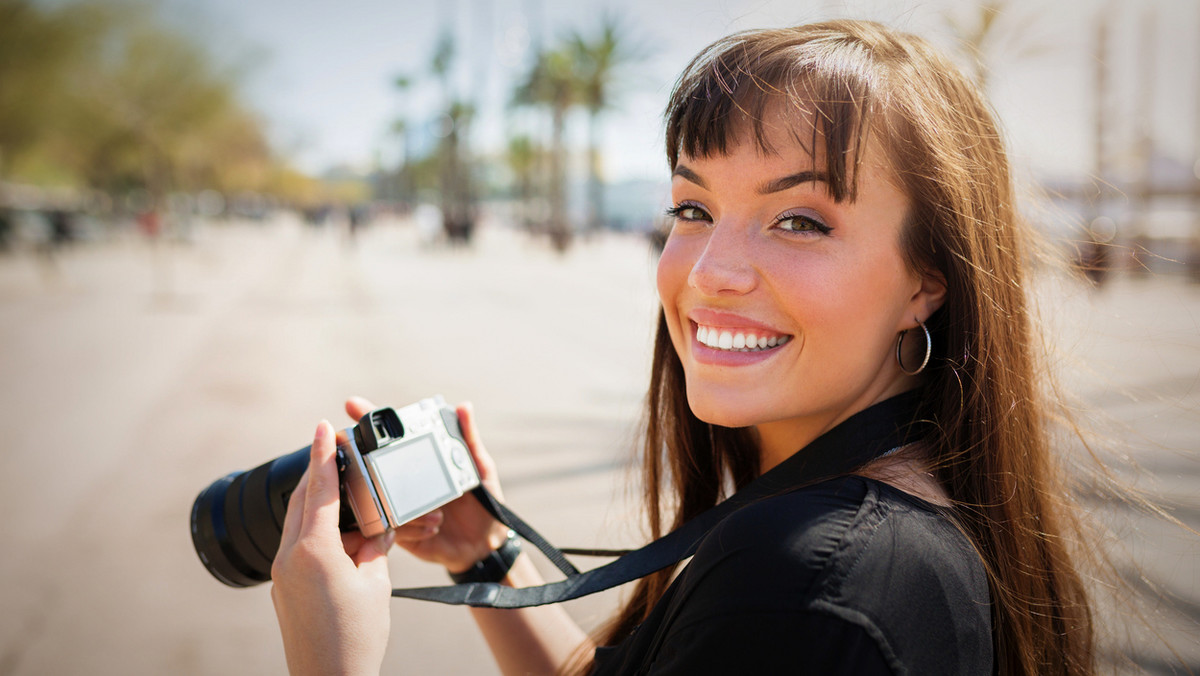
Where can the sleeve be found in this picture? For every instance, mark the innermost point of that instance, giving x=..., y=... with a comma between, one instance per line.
x=805, y=642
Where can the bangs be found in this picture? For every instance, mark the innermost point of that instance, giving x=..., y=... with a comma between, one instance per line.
x=814, y=86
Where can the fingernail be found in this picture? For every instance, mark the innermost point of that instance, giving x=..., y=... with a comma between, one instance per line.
x=321, y=430
x=384, y=542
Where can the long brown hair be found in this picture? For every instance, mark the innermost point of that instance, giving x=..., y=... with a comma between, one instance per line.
x=992, y=452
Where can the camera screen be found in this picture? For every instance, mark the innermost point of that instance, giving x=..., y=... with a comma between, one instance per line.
x=413, y=478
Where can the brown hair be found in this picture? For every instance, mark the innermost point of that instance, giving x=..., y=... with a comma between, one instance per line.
x=992, y=451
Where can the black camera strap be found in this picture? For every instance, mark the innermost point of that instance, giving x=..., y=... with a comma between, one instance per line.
x=869, y=434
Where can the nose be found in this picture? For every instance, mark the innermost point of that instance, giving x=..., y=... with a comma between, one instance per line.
x=724, y=266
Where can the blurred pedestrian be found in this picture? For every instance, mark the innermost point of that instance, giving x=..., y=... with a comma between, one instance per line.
x=846, y=263
x=150, y=223
x=6, y=228
x=62, y=229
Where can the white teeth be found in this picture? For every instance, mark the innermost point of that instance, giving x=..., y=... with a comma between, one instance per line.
x=728, y=340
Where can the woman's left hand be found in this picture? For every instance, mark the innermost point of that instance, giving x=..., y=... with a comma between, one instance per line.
x=331, y=590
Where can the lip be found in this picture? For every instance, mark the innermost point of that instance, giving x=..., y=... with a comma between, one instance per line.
x=728, y=320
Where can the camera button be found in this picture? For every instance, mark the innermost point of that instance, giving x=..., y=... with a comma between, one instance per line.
x=460, y=456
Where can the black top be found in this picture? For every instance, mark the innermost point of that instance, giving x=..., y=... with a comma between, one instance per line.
x=849, y=576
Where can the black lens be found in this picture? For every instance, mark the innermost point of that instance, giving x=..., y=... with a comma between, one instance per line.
x=237, y=521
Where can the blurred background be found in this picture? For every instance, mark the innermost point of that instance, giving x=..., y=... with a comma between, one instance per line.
x=218, y=219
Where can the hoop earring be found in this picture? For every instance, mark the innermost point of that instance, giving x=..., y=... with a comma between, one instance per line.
x=928, y=350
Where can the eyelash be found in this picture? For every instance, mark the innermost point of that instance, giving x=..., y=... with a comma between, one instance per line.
x=814, y=224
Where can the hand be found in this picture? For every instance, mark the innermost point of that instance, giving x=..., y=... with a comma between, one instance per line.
x=330, y=590
x=460, y=532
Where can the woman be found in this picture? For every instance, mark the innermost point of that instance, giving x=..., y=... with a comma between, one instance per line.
x=845, y=232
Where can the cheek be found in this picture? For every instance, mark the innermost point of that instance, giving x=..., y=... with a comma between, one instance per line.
x=674, y=266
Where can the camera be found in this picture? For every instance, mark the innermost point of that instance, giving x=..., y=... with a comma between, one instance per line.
x=394, y=466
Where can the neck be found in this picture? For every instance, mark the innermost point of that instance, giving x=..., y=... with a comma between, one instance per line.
x=780, y=439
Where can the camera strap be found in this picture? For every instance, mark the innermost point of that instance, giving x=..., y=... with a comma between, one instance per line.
x=865, y=436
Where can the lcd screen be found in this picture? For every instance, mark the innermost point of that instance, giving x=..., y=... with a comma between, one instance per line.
x=412, y=477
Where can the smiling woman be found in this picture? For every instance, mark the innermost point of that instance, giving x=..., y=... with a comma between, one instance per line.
x=845, y=273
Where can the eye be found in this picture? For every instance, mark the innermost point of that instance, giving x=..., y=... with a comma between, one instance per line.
x=802, y=223
x=686, y=211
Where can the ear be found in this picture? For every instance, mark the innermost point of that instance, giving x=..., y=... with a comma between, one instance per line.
x=929, y=296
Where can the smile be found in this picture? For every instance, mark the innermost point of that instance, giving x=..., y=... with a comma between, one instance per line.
x=737, y=341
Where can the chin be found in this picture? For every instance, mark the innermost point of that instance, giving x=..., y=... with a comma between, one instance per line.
x=717, y=411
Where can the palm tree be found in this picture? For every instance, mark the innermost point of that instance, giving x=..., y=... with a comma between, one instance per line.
x=402, y=188
x=552, y=82
x=598, y=62
x=455, y=185
x=990, y=32
x=522, y=158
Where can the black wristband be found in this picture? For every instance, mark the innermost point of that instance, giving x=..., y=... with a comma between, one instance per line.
x=494, y=566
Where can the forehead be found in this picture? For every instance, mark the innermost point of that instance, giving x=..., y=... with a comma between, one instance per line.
x=789, y=144
x=797, y=124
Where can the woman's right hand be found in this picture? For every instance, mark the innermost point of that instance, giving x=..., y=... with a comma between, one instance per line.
x=461, y=532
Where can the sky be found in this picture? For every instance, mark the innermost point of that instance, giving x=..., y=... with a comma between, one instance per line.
x=321, y=71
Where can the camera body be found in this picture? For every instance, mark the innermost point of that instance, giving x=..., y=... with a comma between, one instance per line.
x=399, y=464
x=394, y=466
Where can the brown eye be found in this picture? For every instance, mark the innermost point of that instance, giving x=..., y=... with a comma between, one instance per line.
x=802, y=223
x=688, y=212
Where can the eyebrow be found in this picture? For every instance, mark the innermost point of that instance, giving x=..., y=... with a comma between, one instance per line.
x=685, y=173
x=773, y=186
x=791, y=181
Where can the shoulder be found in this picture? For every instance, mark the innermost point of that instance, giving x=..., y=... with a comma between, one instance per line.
x=825, y=532
x=830, y=527
x=791, y=537
x=856, y=550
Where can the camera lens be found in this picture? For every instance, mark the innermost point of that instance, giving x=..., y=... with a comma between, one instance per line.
x=237, y=521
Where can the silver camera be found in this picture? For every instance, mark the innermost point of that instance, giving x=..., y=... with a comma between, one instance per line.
x=399, y=464
x=394, y=466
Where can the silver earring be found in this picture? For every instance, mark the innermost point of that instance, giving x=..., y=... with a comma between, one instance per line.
x=928, y=350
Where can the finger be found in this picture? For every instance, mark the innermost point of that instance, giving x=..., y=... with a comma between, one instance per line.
x=352, y=542
x=483, y=460
x=357, y=407
x=371, y=557
x=434, y=518
x=321, y=501
x=466, y=419
x=410, y=533
x=294, y=515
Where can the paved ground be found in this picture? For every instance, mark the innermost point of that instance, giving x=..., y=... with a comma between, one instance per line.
x=131, y=377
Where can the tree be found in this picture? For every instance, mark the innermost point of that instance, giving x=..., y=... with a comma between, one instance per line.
x=402, y=187
x=522, y=156
x=456, y=184
x=598, y=62
x=105, y=94
x=552, y=83
x=990, y=30
x=40, y=49
x=154, y=113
